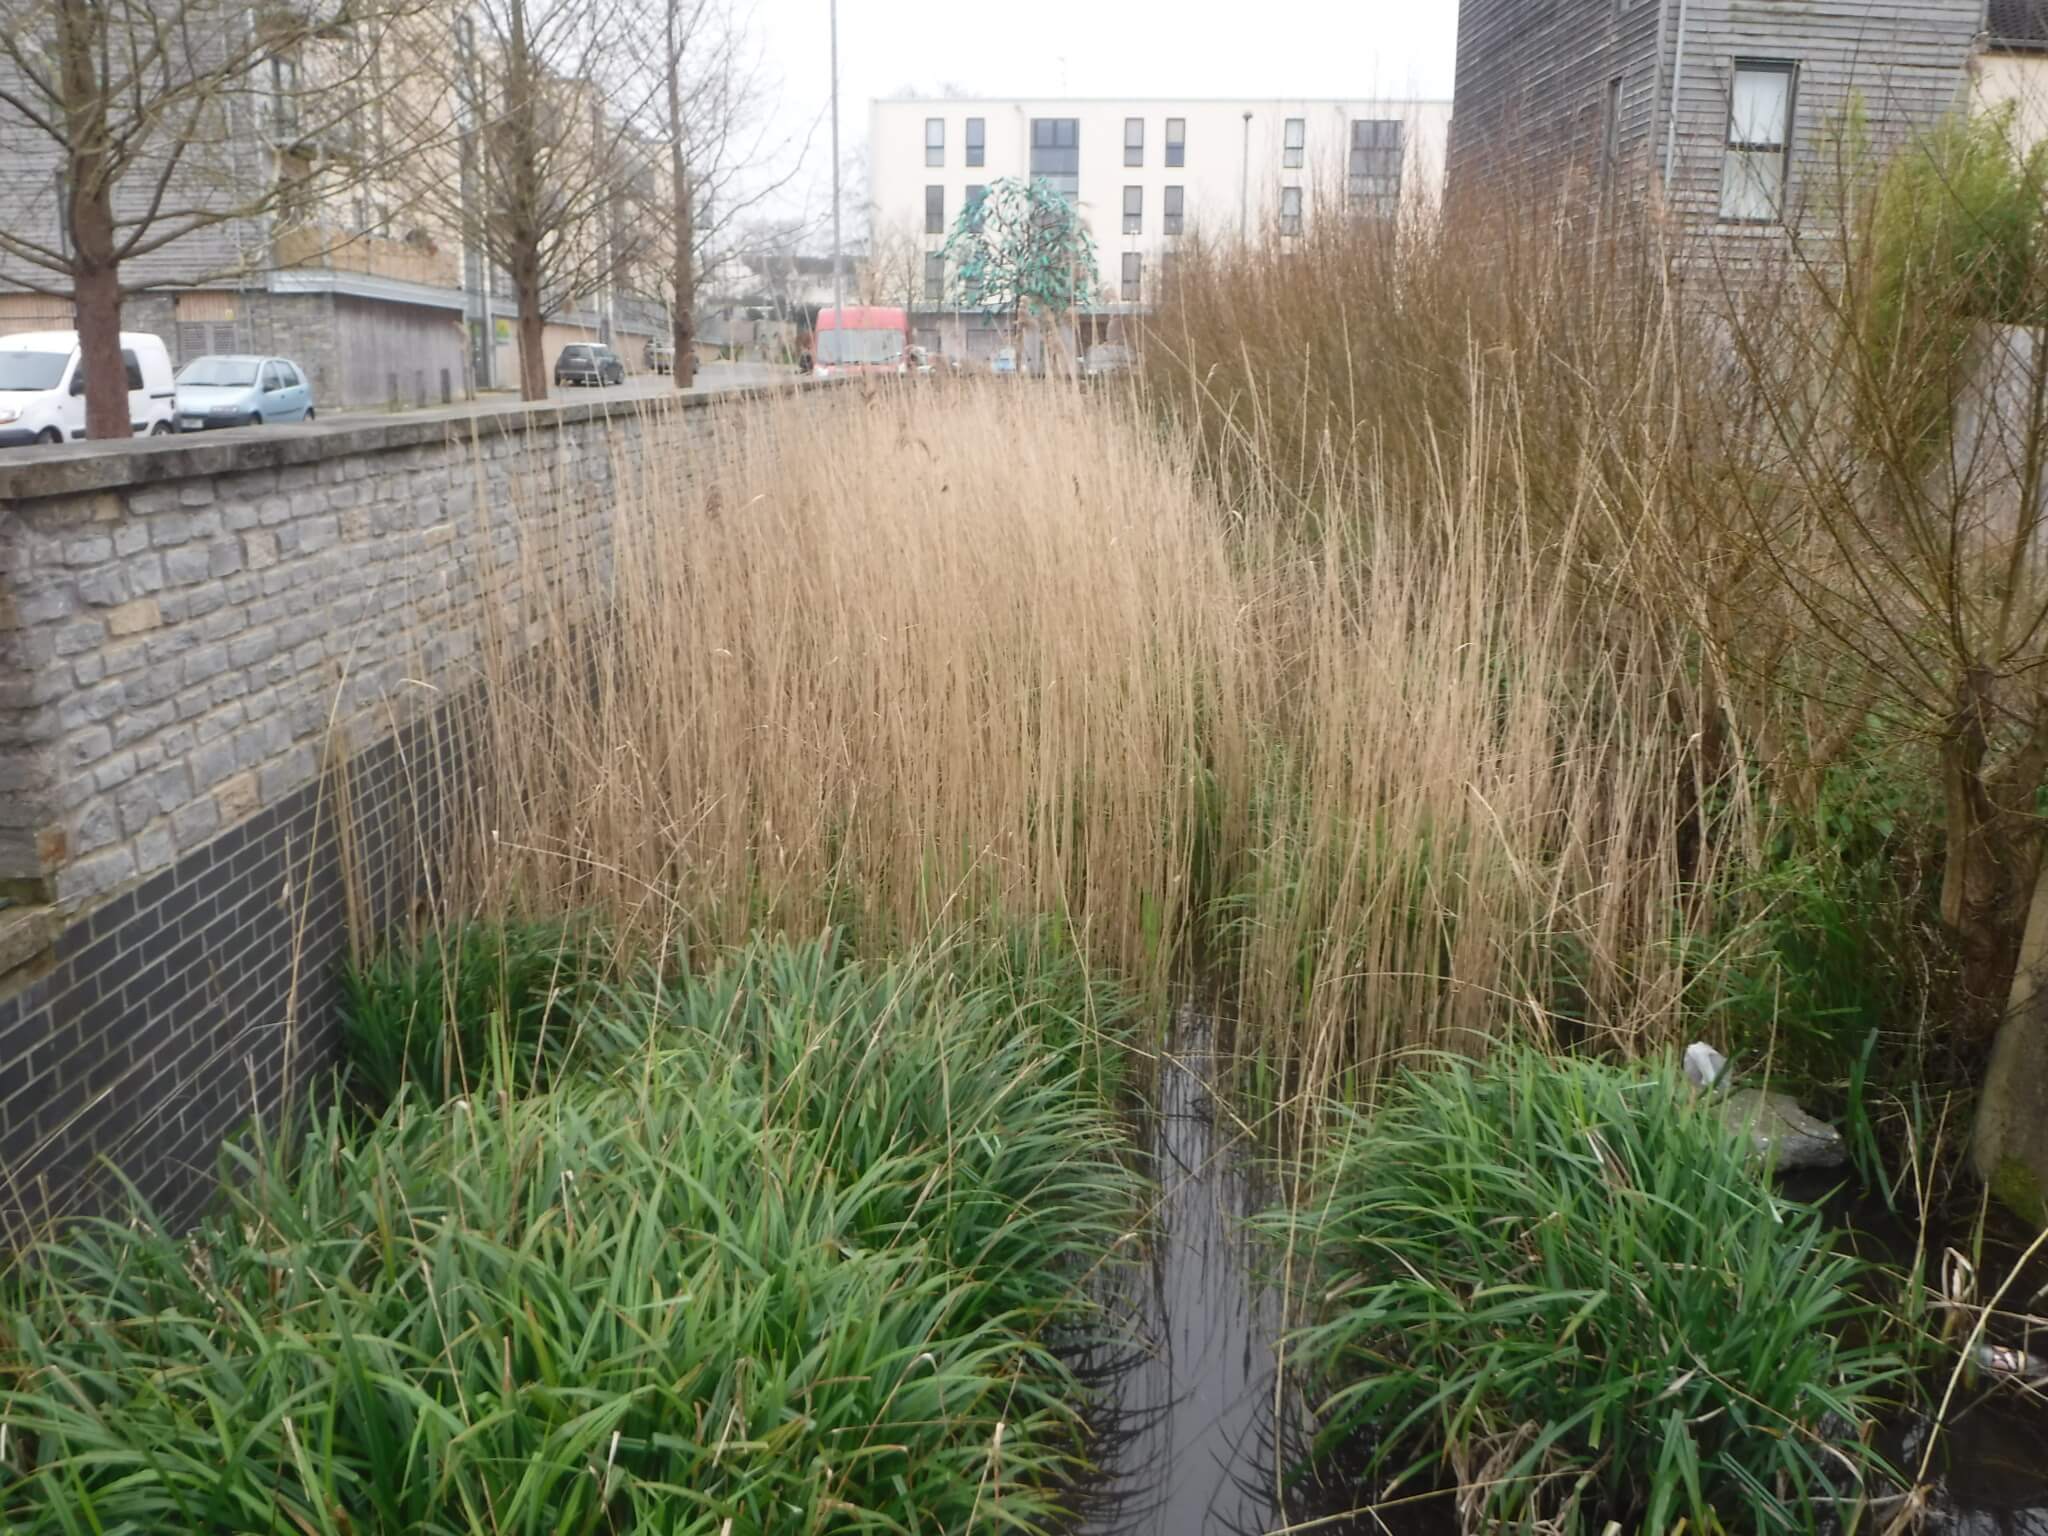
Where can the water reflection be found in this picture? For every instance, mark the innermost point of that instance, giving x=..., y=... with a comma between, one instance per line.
x=1200, y=1434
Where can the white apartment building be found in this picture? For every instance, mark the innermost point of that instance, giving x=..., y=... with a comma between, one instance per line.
x=1145, y=174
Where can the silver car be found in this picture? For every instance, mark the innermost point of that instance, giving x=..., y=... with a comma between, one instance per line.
x=241, y=391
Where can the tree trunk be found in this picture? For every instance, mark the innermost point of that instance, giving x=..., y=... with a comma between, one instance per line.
x=683, y=314
x=533, y=363
x=1993, y=857
x=2010, y=1143
x=96, y=268
x=524, y=203
x=97, y=288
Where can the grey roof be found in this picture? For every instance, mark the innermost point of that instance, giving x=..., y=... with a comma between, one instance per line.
x=2018, y=23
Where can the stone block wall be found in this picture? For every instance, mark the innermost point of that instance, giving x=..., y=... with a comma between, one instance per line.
x=187, y=630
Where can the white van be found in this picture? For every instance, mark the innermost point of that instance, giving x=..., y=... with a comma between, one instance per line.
x=42, y=387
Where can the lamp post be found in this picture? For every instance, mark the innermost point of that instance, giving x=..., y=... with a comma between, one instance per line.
x=1244, y=186
x=838, y=264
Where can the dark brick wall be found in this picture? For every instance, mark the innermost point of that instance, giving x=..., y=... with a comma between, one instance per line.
x=210, y=989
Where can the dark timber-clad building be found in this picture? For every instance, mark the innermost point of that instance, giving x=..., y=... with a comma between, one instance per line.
x=1725, y=114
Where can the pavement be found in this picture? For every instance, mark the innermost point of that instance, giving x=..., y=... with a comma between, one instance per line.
x=712, y=378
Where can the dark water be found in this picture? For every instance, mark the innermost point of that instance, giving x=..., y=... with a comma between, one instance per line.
x=1197, y=1439
x=1200, y=1436
x=1988, y=1475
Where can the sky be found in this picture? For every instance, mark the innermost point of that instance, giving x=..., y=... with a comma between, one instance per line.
x=1303, y=48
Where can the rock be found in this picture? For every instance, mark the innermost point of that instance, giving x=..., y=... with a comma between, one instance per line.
x=1783, y=1135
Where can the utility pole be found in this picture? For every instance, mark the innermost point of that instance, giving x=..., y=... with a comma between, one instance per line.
x=1244, y=186
x=838, y=263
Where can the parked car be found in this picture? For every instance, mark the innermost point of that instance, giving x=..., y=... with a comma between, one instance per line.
x=42, y=387
x=235, y=390
x=589, y=362
x=1106, y=358
x=1004, y=361
x=660, y=356
x=918, y=362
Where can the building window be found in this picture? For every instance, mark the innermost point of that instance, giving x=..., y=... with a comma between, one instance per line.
x=1176, y=201
x=934, y=277
x=935, y=210
x=1294, y=147
x=1290, y=210
x=1759, y=142
x=971, y=209
x=977, y=140
x=1134, y=276
x=1056, y=154
x=1374, y=182
x=1134, y=141
x=1134, y=210
x=1176, y=141
x=935, y=141
x=284, y=94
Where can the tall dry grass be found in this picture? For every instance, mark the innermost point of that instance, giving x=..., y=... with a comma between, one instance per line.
x=913, y=660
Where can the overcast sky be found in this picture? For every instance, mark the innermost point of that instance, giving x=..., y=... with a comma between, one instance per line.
x=1307, y=48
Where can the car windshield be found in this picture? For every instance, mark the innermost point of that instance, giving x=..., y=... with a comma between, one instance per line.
x=860, y=346
x=32, y=370
x=230, y=372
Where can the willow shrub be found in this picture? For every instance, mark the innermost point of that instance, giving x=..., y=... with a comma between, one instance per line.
x=790, y=1263
x=1567, y=1281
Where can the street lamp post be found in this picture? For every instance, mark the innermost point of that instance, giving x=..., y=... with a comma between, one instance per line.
x=1244, y=186
x=838, y=262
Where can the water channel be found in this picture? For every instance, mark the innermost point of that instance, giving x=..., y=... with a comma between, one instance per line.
x=1201, y=1436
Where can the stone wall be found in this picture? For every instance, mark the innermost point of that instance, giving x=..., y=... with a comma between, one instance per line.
x=186, y=630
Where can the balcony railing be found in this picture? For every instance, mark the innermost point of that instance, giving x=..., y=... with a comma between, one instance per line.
x=338, y=250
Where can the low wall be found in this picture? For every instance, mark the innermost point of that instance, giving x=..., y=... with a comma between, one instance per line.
x=186, y=628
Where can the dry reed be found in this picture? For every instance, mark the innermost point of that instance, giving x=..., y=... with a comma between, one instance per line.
x=914, y=660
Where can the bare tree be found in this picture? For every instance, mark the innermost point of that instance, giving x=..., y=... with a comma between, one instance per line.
x=893, y=272
x=550, y=101
x=1874, y=512
x=778, y=255
x=161, y=119
x=724, y=157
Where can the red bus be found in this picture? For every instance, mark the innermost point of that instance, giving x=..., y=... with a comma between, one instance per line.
x=862, y=339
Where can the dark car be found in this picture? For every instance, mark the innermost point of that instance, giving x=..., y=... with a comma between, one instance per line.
x=589, y=363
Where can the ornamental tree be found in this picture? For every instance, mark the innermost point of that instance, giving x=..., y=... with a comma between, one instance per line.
x=1020, y=250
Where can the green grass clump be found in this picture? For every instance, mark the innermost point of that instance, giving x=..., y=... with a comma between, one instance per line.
x=1567, y=1280
x=795, y=1262
x=440, y=1014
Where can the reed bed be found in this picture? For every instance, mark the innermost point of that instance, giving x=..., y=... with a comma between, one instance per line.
x=906, y=660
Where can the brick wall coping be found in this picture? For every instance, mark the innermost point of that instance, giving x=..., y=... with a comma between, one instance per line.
x=81, y=468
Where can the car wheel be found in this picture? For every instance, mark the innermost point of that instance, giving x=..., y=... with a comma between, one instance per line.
x=309, y=413
x=50, y=435
x=255, y=418
x=161, y=429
